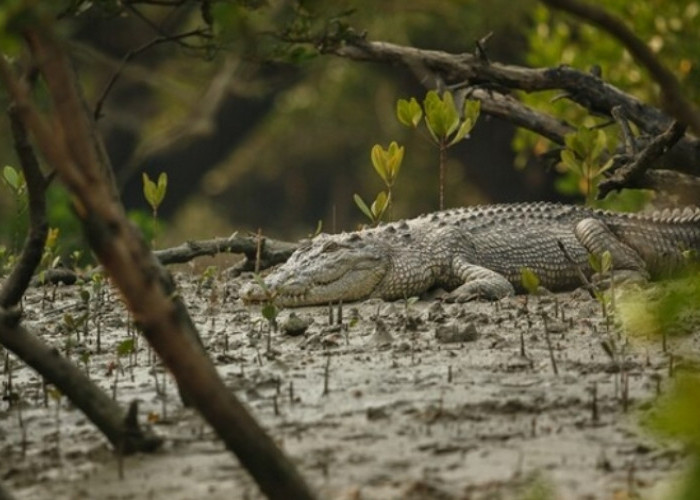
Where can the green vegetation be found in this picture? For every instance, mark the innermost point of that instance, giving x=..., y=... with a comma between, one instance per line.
x=447, y=123
x=387, y=164
x=154, y=194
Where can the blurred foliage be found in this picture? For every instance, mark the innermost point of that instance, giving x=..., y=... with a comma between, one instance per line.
x=670, y=309
x=309, y=149
x=668, y=26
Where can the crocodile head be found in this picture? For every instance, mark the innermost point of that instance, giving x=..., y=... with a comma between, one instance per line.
x=329, y=268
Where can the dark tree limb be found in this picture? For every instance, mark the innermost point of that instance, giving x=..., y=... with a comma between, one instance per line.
x=272, y=252
x=5, y=493
x=673, y=97
x=71, y=381
x=685, y=188
x=97, y=406
x=146, y=288
x=18, y=280
x=629, y=175
x=508, y=108
x=586, y=89
x=627, y=135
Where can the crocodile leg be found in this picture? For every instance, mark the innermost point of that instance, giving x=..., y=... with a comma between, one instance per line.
x=479, y=283
x=596, y=237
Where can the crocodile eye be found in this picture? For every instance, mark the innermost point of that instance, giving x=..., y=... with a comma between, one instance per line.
x=329, y=247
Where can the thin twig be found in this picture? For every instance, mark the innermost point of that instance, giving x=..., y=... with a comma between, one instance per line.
x=97, y=113
x=630, y=145
x=628, y=175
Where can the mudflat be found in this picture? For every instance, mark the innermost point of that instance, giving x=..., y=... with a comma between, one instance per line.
x=397, y=400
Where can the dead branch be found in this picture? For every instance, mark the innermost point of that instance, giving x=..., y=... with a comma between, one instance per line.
x=18, y=280
x=147, y=289
x=71, y=381
x=629, y=175
x=586, y=89
x=509, y=108
x=673, y=97
x=97, y=406
x=272, y=252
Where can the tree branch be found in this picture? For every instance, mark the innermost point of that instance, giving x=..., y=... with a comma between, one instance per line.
x=21, y=275
x=97, y=406
x=585, y=89
x=673, y=99
x=510, y=109
x=147, y=290
x=271, y=252
x=629, y=175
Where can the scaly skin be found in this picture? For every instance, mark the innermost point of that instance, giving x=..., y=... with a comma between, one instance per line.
x=479, y=252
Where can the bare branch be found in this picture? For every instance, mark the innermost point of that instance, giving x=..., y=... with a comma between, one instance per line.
x=674, y=101
x=271, y=252
x=685, y=189
x=509, y=108
x=586, y=89
x=147, y=289
x=628, y=175
x=628, y=137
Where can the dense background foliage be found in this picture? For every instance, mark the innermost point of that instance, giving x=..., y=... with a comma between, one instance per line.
x=255, y=131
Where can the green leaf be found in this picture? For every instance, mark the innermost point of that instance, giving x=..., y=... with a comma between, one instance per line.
x=599, y=144
x=409, y=112
x=149, y=190
x=161, y=188
x=363, y=206
x=529, y=280
x=605, y=167
x=269, y=311
x=395, y=158
x=441, y=116
x=606, y=261
x=155, y=193
x=14, y=179
x=387, y=162
x=379, y=161
x=380, y=204
x=568, y=158
x=125, y=347
x=471, y=110
x=463, y=130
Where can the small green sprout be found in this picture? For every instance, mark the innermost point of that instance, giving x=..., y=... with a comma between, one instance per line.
x=387, y=164
x=447, y=124
x=155, y=193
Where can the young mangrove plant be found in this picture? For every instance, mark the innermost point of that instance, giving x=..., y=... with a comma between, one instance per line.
x=155, y=193
x=446, y=123
x=387, y=164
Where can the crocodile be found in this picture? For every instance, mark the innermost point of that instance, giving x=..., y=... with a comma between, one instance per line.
x=479, y=252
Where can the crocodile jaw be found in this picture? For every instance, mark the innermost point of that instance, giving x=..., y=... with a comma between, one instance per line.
x=323, y=273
